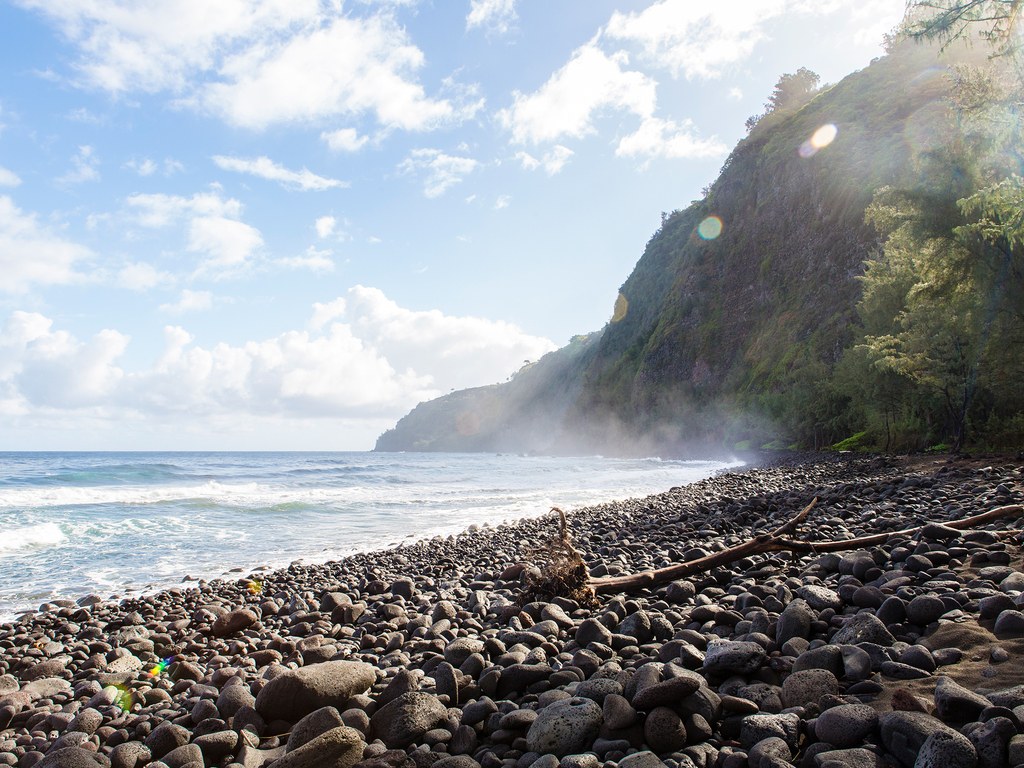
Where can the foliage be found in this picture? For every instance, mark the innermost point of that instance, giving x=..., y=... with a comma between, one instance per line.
x=995, y=21
x=852, y=443
x=791, y=92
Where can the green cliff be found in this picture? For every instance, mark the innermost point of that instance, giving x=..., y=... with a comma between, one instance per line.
x=755, y=335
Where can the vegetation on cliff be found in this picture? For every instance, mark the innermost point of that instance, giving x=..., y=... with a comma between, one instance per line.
x=857, y=269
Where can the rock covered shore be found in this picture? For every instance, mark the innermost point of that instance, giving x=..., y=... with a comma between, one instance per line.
x=905, y=654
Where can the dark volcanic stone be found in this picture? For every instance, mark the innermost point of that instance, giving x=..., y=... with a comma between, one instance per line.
x=73, y=757
x=312, y=725
x=955, y=703
x=296, y=693
x=340, y=747
x=233, y=622
x=733, y=656
x=863, y=628
x=404, y=720
x=668, y=692
x=664, y=730
x=754, y=728
x=565, y=727
x=924, y=609
x=946, y=749
x=904, y=733
x=794, y=621
x=846, y=725
x=216, y=745
x=129, y=754
x=808, y=686
x=165, y=737
x=593, y=631
x=1010, y=623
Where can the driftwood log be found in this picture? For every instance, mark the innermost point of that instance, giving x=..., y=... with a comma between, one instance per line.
x=779, y=540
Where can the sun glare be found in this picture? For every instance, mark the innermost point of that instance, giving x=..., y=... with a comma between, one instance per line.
x=710, y=228
x=820, y=139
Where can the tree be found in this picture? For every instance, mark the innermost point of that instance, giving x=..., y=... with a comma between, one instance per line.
x=995, y=21
x=943, y=302
x=792, y=91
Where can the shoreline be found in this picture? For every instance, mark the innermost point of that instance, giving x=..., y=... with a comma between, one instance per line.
x=355, y=526
x=433, y=630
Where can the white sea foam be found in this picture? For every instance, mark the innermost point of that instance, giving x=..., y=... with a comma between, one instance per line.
x=31, y=537
x=216, y=512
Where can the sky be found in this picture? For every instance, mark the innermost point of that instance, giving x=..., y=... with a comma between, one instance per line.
x=281, y=224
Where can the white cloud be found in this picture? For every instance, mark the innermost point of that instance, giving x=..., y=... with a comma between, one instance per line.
x=502, y=202
x=344, y=140
x=493, y=15
x=314, y=259
x=666, y=138
x=211, y=225
x=872, y=19
x=189, y=301
x=143, y=167
x=695, y=39
x=362, y=356
x=441, y=171
x=265, y=168
x=325, y=313
x=53, y=369
x=735, y=94
x=160, y=210
x=83, y=115
x=528, y=161
x=226, y=243
x=139, y=276
x=325, y=226
x=590, y=83
x=253, y=62
x=343, y=67
x=8, y=178
x=147, y=166
x=153, y=46
x=552, y=161
x=456, y=352
x=702, y=40
x=31, y=254
x=85, y=167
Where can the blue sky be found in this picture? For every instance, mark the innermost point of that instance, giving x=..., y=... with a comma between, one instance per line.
x=281, y=224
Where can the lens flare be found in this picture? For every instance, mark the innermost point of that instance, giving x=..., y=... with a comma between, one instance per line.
x=820, y=139
x=160, y=667
x=710, y=228
x=124, y=698
x=255, y=587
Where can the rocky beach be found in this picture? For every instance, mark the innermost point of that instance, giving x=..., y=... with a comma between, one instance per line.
x=904, y=653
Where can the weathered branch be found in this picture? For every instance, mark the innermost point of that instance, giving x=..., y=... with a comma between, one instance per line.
x=779, y=541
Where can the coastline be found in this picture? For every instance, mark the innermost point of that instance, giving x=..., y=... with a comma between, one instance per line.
x=434, y=632
x=124, y=525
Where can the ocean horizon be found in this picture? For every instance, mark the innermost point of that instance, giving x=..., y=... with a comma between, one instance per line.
x=119, y=524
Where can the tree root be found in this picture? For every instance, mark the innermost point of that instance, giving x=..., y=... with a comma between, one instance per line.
x=562, y=571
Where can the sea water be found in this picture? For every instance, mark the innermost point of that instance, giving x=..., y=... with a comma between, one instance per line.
x=72, y=524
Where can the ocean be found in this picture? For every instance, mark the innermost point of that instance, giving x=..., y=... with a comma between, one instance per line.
x=121, y=524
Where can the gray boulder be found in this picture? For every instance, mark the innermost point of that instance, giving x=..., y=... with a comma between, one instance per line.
x=340, y=747
x=294, y=694
x=405, y=719
x=565, y=727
